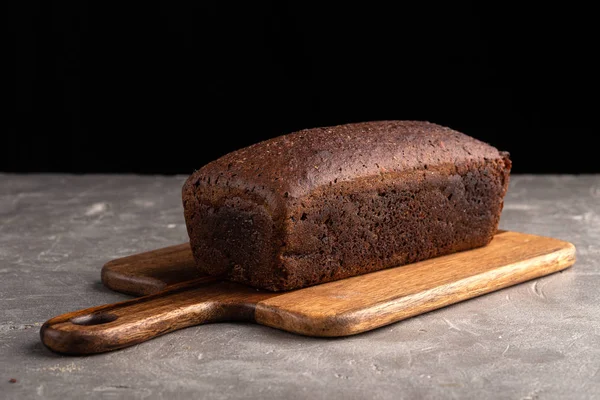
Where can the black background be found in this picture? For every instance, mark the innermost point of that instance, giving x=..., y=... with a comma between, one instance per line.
x=166, y=88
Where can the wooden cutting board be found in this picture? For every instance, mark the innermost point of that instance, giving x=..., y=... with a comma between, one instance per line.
x=177, y=296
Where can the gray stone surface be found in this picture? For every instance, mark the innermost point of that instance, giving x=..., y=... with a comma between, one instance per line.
x=537, y=340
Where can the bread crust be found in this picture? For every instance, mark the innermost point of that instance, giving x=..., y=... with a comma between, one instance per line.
x=329, y=203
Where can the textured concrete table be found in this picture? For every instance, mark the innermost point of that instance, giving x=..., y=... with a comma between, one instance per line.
x=537, y=340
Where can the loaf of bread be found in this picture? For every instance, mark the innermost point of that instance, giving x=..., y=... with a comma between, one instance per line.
x=330, y=203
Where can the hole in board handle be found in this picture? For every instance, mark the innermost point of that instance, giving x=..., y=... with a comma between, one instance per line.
x=94, y=319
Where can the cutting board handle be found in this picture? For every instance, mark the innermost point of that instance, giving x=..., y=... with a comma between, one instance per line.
x=114, y=326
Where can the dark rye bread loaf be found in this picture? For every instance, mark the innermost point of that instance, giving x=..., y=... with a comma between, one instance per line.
x=329, y=203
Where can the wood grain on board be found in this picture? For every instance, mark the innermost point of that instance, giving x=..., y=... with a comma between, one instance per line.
x=181, y=297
